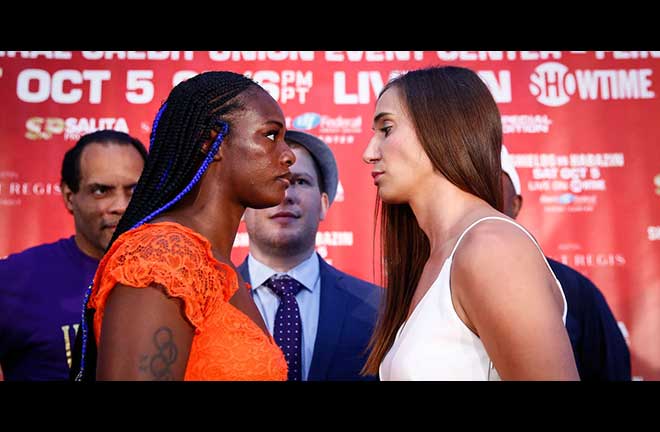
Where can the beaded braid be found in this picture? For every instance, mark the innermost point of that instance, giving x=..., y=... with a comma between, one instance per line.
x=192, y=110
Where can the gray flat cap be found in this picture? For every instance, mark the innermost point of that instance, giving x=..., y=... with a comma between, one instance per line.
x=323, y=157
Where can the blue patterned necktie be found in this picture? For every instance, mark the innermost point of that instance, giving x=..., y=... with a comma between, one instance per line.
x=288, y=326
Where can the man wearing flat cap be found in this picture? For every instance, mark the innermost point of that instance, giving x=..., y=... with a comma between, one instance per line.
x=320, y=317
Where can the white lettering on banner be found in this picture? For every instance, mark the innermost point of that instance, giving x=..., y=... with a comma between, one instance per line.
x=615, y=84
x=182, y=76
x=373, y=56
x=57, y=55
x=337, y=139
x=284, y=85
x=261, y=55
x=597, y=159
x=137, y=55
x=23, y=85
x=553, y=84
x=570, y=175
x=366, y=81
x=334, y=238
x=323, y=238
x=653, y=232
x=568, y=198
x=8, y=174
x=36, y=188
x=593, y=260
x=626, y=55
x=140, y=89
x=371, y=83
x=340, y=124
x=604, y=160
x=499, y=87
x=55, y=86
x=525, y=124
x=75, y=128
x=8, y=202
x=496, y=55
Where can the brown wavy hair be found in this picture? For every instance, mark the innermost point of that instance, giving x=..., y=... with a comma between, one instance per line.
x=459, y=127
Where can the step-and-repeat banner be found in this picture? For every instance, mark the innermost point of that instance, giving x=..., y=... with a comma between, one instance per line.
x=582, y=127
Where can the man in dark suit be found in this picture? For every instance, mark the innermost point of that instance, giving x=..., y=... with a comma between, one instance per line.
x=337, y=311
x=599, y=348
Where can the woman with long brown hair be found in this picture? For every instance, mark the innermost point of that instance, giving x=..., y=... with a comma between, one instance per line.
x=469, y=294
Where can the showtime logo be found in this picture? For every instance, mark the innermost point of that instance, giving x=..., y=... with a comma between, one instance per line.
x=553, y=84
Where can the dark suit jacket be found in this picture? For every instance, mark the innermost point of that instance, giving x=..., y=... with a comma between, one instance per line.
x=600, y=350
x=347, y=316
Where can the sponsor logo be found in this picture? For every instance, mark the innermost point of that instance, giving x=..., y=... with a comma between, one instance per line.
x=567, y=202
x=566, y=198
x=307, y=121
x=331, y=130
x=327, y=124
x=343, y=125
x=44, y=128
x=553, y=84
x=593, y=259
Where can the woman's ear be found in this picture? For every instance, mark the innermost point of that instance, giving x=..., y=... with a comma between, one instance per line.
x=207, y=146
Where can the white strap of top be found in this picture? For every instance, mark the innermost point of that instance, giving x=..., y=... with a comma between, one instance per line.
x=490, y=365
x=528, y=235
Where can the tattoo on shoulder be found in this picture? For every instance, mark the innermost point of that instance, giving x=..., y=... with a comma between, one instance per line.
x=159, y=365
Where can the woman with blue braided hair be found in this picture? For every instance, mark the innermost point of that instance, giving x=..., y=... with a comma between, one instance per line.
x=166, y=302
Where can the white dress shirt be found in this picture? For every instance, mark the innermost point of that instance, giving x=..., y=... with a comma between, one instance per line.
x=308, y=274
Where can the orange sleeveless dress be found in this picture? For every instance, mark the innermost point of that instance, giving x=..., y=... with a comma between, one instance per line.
x=227, y=344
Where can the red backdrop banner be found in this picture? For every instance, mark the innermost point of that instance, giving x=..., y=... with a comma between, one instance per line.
x=582, y=127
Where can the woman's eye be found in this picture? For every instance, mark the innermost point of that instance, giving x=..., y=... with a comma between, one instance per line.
x=386, y=130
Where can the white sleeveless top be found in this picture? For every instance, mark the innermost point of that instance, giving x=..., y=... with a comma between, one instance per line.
x=434, y=344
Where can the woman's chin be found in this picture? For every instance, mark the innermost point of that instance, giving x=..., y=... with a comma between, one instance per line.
x=389, y=197
x=267, y=202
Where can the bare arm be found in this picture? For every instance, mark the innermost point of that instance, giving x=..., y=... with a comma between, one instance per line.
x=508, y=296
x=144, y=336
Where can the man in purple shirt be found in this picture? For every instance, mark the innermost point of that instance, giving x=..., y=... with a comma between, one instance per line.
x=42, y=288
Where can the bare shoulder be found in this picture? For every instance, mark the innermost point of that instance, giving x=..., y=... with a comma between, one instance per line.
x=497, y=261
x=503, y=291
x=497, y=245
